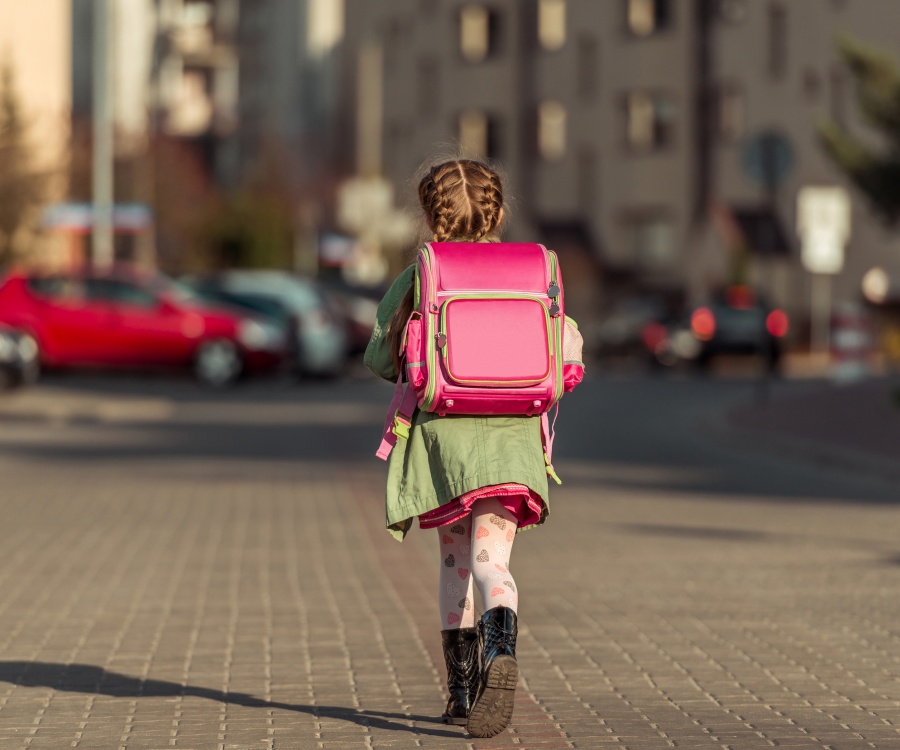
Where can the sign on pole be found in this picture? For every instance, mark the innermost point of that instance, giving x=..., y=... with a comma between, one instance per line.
x=823, y=224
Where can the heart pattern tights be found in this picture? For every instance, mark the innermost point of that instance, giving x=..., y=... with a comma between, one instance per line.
x=476, y=550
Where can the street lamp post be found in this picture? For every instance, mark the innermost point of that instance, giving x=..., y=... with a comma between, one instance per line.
x=102, y=173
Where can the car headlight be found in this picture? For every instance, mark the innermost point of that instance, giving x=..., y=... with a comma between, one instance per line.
x=255, y=335
x=28, y=348
x=9, y=352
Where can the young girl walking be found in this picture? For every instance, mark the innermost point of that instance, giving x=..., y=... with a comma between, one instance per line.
x=477, y=480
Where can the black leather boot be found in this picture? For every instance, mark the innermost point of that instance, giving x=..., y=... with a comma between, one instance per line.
x=461, y=656
x=493, y=706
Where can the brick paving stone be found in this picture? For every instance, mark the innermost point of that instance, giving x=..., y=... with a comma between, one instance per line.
x=161, y=589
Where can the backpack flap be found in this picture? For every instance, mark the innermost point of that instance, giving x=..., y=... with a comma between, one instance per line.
x=496, y=340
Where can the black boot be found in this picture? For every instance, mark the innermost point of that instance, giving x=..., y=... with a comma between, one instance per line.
x=493, y=705
x=461, y=656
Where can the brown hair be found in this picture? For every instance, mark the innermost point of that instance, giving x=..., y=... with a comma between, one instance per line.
x=463, y=202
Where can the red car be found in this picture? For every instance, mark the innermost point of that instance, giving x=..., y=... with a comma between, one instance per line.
x=134, y=320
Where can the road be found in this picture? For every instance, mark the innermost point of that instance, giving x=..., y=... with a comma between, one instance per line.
x=199, y=569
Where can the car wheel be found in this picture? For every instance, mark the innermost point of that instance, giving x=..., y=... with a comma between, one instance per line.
x=217, y=362
x=9, y=379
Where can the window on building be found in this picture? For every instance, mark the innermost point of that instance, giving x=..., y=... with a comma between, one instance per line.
x=650, y=119
x=478, y=134
x=730, y=112
x=552, y=24
x=552, y=130
x=324, y=26
x=478, y=33
x=652, y=241
x=197, y=13
x=647, y=17
x=777, y=41
x=587, y=68
x=191, y=109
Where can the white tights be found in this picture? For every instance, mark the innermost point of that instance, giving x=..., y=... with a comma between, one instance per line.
x=481, y=557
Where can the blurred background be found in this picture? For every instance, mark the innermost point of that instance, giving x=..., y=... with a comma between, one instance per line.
x=228, y=185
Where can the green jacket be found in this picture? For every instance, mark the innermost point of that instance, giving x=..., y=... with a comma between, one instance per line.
x=446, y=457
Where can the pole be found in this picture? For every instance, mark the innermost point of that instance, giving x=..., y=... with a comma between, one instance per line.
x=820, y=319
x=102, y=175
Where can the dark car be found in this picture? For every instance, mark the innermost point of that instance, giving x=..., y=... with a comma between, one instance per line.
x=735, y=322
x=129, y=319
x=622, y=332
x=358, y=307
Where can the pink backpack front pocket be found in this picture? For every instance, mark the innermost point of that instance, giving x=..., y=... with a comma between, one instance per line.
x=514, y=352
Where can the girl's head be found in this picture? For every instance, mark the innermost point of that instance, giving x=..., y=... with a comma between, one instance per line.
x=462, y=200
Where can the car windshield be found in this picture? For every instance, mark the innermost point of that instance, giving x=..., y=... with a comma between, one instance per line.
x=297, y=294
x=176, y=291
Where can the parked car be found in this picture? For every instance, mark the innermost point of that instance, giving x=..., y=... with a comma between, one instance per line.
x=127, y=319
x=737, y=322
x=622, y=330
x=18, y=358
x=358, y=307
x=320, y=342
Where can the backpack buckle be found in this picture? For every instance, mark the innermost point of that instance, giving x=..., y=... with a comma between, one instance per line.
x=401, y=426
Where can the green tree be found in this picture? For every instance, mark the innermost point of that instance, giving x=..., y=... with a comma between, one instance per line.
x=22, y=187
x=873, y=164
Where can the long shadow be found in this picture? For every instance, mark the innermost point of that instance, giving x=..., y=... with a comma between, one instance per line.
x=87, y=678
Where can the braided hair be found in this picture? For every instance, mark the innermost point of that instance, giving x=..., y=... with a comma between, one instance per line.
x=463, y=202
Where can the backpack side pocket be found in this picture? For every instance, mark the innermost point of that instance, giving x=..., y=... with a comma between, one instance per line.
x=416, y=367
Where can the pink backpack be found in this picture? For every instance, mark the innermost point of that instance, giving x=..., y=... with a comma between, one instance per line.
x=485, y=336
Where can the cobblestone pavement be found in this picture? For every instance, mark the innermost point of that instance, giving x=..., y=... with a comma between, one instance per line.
x=215, y=575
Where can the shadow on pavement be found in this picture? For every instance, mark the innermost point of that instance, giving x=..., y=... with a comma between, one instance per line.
x=695, y=532
x=86, y=678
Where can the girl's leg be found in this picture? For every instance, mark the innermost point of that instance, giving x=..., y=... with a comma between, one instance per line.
x=493, y=532
x=459, y=637
x=455, y=600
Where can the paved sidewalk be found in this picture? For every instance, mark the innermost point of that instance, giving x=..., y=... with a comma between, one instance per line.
x=213, y=577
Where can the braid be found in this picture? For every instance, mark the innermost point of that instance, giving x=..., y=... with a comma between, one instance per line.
x=487, y=196
x=462, y=199
x=446, y=217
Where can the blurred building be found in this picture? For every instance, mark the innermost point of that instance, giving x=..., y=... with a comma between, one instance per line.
x=194, y=79
x=133, y=25
x=224, y=87
x=227, y=76
x=41, y=87
x=648, y=140
x=288, y=81
x=41, y=80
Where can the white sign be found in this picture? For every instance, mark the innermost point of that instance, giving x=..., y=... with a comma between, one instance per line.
x=823, y=224
x=822, y=252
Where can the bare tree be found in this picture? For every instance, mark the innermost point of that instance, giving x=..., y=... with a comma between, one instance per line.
x=23, y=188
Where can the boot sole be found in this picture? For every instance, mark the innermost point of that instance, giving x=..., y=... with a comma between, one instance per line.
x=493, y=707
x=458, y=721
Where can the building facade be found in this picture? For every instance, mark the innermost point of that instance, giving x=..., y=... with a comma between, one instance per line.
x=662, y=137
x=40, y=85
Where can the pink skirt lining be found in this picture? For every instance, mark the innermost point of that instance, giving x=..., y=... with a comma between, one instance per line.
x=525, y=505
